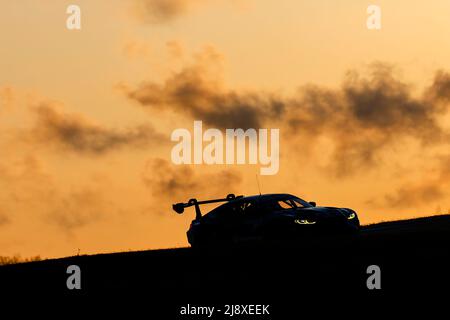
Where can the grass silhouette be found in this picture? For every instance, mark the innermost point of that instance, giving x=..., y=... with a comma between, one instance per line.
x=412, y=254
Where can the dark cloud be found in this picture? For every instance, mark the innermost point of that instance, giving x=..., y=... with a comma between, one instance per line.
x=191, y=92
x=439, y=91
x=383, y=103
x=367, y=114
x=370, y=111
x=166, y=180
x=160, y=11
x=77, y=134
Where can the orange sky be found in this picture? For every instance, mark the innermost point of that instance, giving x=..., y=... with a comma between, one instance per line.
x=86, y=115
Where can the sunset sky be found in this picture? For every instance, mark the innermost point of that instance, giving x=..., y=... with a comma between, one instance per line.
x=86, y=115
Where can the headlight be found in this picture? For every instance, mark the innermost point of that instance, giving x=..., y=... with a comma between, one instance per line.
x=299, y=221
x=351, y=216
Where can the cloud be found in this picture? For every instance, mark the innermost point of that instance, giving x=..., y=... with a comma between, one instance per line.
x=161, y=11
x=439, y=91
x=167, y=181
x=24, y=182
x=193, y=92
x=383, y=102
x=31, y=189
x=175, y=49
x=371, y=111
x=74, y=133
x=136, y=49
x=78, y=209
x=4, y=219
x=165, y=11
x=431, y=189
x=410, y=196
x=27, y=188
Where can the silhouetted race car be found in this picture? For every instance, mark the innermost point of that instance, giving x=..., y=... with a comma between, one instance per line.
x=268, y=217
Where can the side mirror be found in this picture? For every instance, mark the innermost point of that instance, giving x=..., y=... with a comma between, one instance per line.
x=312, y=203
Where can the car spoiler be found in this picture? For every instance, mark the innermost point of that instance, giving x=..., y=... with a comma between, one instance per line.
x=179, y=207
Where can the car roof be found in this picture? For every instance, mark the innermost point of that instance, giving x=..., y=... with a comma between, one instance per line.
x=266, y=196
x=262, y=197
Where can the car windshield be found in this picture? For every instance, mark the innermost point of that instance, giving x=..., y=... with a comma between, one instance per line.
x=301, y=203
x=291, y=203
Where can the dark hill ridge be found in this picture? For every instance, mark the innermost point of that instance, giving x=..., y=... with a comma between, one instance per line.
x=413, y=255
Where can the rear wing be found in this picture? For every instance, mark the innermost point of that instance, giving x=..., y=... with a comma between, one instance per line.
x=179, y=207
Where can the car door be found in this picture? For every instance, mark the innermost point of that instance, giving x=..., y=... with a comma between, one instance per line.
x=247, y=221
